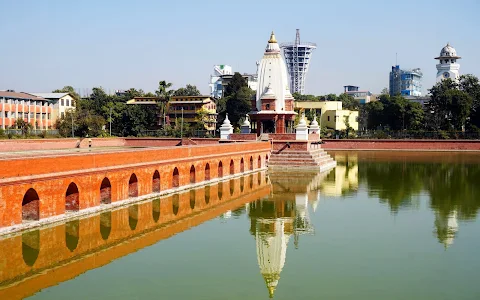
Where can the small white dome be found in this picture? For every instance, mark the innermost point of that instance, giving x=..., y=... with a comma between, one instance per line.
x=448, y=51
x=269, y=94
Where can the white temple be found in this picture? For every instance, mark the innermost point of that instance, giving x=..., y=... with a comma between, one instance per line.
x=448, y=66
x=273, y=111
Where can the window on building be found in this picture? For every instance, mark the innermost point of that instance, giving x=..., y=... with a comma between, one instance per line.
x=32, y=115
x=328, y=118
x=267, y=106
x=68, y=102
x=62, y=102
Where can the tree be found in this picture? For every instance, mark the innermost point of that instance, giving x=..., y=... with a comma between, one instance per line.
x=202, y=118
x=239, y=104
x=385, y=91
x=332, y=97
x=23, y=125
x=470, y=84
x=449, y=106
x=136, y=119
x=85, y=123
x=189, y=90
x=113, y=112
x=348, y=102
x=375, y=114
x=164, y=93
x=236, y=83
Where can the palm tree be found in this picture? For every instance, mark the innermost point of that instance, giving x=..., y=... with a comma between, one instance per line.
x=164, y=93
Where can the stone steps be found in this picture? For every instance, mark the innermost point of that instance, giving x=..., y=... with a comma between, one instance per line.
x=311, y=159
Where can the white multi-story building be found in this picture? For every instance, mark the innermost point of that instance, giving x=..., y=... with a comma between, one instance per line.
x=216, y=82
x=222, y=74
x=448, y=66
x=62, y=102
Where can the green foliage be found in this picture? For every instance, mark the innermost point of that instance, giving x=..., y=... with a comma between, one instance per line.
x=2, y=134
x=85, y=123
x=23, y=125
x=136, y=119
x=236, y=84
x=395, y=113
x=348, y=102
x=202, y=118
x=455, y=105
x=189, y=90
x=239, y=104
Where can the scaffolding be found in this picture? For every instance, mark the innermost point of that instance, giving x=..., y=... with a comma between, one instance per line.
x=297, y=58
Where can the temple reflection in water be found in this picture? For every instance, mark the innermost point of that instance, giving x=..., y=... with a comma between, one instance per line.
x=281, y=215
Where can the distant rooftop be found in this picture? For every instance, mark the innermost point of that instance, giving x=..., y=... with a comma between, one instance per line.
x=50, y=95
x=20, y=95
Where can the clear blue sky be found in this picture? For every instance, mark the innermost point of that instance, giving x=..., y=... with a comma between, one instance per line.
x=120, y=44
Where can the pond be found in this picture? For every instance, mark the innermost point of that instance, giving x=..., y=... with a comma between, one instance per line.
x=381, y=225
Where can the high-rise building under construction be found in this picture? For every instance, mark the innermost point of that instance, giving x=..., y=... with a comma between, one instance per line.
x=297, y=57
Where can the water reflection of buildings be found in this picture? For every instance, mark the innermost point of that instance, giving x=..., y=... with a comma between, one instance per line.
x=281, y=215
x=344, y=178
x=44, y=257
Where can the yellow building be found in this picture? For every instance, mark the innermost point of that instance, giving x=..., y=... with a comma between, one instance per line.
x=332, y=115
x=188, y=107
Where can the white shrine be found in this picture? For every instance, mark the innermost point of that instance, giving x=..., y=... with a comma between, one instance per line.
x=273, y=109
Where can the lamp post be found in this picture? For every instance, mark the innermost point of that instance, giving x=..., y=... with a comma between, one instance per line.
x=110, y=121
x=181, y=126
x=71, y=114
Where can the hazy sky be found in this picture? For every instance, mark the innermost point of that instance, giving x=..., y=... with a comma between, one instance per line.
x=119, y=44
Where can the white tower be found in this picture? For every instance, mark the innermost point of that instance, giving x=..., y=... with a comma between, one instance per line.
x=448, y=67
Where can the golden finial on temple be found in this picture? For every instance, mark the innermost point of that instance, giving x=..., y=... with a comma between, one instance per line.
x=272, y=38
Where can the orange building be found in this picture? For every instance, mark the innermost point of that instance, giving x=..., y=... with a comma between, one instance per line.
x=188, y=107
x=33, y=109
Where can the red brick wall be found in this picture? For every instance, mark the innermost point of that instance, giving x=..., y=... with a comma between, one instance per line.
x=402, y=145
x=243, y=137
x=294, y=145
x=50, y=176
x=282, y=136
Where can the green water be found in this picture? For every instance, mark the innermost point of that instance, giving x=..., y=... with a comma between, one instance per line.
x=398, y=226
